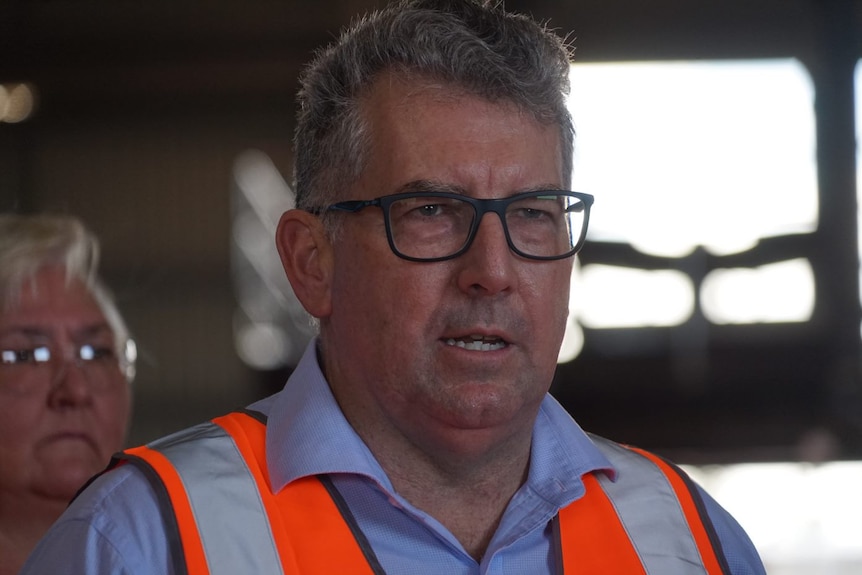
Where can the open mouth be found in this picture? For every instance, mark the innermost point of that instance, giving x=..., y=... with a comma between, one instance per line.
x=477, y=343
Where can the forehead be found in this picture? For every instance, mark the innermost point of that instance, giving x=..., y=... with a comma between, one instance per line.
x=422, y=129
x=49, y=303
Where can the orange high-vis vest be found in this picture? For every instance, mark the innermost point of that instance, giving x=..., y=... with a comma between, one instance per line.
x=224, y=519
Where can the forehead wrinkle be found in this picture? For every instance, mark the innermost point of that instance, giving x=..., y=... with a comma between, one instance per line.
x=49, y=331
x=507, y=173
x=498, y=174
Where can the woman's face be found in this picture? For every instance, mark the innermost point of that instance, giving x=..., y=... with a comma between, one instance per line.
x=64, y=401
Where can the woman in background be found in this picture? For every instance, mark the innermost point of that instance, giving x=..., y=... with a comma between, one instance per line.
x=66, y=362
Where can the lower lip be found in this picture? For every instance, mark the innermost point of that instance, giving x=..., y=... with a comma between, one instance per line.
x=77, y=437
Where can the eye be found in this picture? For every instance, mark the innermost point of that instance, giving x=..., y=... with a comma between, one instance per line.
x=96, y=352
x=533, y=213
x=537, y=208
x=31, y=355
x=428, y=207
x=429, y=210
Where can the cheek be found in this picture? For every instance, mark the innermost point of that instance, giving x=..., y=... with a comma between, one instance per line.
x=550, y=301
x=19, y=424
x=374, y=289
x=113, y=420
x=414, y=297
x=372, y=315
x=550, y=280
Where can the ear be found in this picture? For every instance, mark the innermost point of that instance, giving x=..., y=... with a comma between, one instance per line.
x=306, y=255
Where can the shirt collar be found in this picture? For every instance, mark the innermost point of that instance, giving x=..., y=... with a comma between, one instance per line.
x=298, y=446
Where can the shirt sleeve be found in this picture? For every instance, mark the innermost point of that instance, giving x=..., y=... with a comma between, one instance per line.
x=114, y=526
x=742, y=557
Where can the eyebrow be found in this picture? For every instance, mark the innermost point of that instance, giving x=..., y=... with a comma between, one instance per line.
x=430, y=186
x=423, y=185
x=93, y=330
x=40, y=332
x=27, y=331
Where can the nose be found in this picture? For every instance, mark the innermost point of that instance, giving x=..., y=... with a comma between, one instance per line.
x=70, y=386
x=488, y=266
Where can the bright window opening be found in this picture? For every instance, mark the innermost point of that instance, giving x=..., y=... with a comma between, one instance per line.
x=782, y=292
x=682, y=155
x=615, y=296
x=819, y=532
x=271, y=329
x=858, y=90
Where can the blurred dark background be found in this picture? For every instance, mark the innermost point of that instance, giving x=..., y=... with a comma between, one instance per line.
x=143, y=109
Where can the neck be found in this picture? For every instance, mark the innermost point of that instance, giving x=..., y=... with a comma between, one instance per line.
x=471, y=510
x=23, y=521
x=467, y=495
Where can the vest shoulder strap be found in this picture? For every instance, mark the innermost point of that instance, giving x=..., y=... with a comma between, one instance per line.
x=227, y=520
x=650, y=520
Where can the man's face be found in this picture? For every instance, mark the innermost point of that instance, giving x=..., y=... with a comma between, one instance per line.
x=60, y=421
x=388, y=342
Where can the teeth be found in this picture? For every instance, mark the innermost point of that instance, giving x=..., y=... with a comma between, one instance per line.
x=478, y=344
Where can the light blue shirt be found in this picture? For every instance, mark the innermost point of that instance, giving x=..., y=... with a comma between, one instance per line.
x=115, y=526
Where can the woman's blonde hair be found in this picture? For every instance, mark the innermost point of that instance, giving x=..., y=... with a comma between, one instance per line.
x=29, y=243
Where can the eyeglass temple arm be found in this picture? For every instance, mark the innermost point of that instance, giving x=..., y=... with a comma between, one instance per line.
x=582, y=205
x=579, y=206
x=353, y=205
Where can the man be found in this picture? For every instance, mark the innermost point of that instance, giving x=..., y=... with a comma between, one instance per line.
x=416, y=435
x=65, y=365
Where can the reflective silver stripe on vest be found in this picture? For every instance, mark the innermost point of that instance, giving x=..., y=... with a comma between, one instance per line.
x=650, y=512
x=227, y=506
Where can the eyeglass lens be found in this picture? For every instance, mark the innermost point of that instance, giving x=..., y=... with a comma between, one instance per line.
x=27, y=368
x=427, y=227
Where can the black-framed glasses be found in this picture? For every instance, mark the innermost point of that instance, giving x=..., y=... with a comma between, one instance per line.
x=437, y=226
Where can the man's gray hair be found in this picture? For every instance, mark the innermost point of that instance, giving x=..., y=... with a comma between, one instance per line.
x=29, y=243
x=475, y=45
